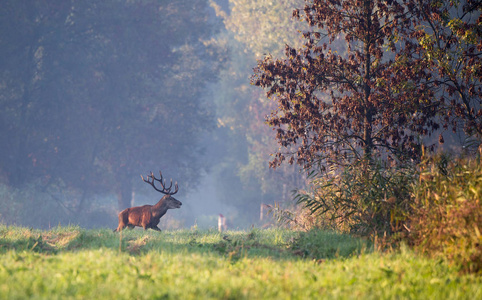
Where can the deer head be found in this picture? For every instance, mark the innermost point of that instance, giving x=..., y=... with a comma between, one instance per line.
x=170, y=201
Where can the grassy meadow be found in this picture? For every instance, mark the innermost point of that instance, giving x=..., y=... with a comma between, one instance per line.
x=74, y=263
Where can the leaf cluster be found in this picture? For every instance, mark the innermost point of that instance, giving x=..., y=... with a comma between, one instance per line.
x=450, y=38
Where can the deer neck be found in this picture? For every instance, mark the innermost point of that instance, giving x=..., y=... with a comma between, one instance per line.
x=160, y=208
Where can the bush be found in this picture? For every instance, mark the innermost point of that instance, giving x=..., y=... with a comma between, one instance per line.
x=447, y=213
x=367, y=199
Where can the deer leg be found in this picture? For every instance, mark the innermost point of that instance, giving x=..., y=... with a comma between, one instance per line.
x=156, y=228
x=119, y=228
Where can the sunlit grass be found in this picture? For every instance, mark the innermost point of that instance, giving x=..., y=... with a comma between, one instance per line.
x=72, y=262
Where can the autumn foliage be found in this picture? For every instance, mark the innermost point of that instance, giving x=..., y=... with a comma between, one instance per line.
x=450, y=36
x=374, y=79
x=447, y=217
x=358, y=89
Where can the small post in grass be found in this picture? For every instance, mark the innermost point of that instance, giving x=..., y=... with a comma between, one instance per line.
x=120, y=241
x=222, y=223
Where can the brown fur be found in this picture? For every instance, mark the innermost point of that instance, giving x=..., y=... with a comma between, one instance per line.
x=147, y=216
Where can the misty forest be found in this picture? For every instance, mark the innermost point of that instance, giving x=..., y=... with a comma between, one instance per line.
x=358, y=116
x=241, y=149
x=94, y=94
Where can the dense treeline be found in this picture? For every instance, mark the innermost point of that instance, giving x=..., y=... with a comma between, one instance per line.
x=92, y=94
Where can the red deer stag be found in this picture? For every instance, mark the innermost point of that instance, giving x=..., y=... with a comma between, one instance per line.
x=148, y=216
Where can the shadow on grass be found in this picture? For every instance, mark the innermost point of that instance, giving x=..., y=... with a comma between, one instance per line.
x=233, y=245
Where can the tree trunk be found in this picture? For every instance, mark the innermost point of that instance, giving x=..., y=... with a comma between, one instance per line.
x=368, y=117
x=80, y=207
x=124, y=197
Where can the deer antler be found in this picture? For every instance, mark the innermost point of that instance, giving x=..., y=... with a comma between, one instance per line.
x=151, y=179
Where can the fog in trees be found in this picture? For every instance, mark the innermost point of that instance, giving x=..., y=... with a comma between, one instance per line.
x=94, y=94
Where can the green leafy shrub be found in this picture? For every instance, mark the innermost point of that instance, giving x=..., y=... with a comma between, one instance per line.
x=367, y=199
x=447, y=214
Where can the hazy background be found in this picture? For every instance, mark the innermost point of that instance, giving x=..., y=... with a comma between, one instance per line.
x=95, y=93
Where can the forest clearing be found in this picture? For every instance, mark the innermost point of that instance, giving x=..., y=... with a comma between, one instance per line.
x=339, y=141
x=74, y=263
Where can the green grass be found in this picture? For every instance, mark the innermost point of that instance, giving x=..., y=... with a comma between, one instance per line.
x=73, y=263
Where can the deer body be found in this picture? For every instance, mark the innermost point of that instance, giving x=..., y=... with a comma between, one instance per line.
x=148, y=216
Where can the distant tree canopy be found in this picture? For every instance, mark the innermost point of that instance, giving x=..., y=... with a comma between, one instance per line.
x=94, y=93
x=367, y=97
x=263, y=26
x=253, y=28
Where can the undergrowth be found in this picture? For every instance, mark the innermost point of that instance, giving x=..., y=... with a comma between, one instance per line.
x=447, y=211
x=434, y=207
